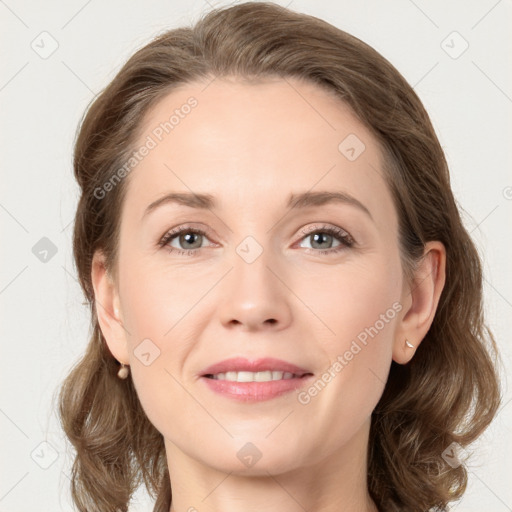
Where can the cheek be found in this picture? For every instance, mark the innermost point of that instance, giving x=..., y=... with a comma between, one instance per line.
x=363, y=315
x=159, y=304
x=356, y=297
x=359, y=312
x=154, y=298
x=155, y=308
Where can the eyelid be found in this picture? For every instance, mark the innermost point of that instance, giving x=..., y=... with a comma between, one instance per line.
x=325, y=226
x=188, y=226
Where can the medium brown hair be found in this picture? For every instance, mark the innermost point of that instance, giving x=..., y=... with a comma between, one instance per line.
x=448, y=393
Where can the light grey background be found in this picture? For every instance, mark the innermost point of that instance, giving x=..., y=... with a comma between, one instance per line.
x=45, y=327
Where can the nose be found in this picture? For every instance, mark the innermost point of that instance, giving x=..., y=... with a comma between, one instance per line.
x=254, y=295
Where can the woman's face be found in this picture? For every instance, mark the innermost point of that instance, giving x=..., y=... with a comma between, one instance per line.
x=256, y=165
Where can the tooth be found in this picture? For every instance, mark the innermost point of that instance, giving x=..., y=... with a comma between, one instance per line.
x=245, y=377
x=263, y=376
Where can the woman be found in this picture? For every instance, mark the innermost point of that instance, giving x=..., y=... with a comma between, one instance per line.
x=320, y=343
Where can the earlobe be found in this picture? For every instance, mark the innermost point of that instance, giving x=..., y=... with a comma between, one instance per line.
x=403, y=352
x=107, y=307
x=423, y=296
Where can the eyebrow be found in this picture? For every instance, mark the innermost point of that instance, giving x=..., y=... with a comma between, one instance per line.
x=295, y=201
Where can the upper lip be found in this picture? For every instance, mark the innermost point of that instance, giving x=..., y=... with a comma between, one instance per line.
x=240, y=364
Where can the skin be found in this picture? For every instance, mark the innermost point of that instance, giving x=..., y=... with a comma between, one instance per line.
x=250, y=145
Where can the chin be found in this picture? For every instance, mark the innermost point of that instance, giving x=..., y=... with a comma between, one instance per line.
x=262, y=467
x=243, y=457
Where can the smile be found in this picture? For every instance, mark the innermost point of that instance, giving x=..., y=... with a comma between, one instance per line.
x=244, y=376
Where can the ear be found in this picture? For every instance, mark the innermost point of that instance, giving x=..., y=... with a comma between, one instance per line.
x=108, y=309
x=420, y=299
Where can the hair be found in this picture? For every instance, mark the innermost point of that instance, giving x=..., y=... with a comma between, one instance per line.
x=448, y=393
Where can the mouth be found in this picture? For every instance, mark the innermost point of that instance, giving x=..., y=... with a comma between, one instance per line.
x=256, y=380
x=263, y=376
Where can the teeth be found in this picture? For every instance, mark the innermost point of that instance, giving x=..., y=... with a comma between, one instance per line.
x=253, y=376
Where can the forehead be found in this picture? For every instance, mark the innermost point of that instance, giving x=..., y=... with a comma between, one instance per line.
x=252, y=144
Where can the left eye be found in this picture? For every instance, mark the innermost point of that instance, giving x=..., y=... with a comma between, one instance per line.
x=325, y=237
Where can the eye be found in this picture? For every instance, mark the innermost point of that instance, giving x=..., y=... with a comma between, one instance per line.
x=189, y=240
x=323, y=237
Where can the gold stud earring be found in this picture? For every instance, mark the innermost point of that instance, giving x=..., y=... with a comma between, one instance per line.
x=123, y=371
x=409, y=344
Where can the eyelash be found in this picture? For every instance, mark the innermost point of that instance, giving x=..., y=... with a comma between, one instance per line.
x=346, y=240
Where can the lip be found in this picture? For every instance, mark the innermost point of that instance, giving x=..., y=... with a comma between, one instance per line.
x=241, y=364
x=255, y=391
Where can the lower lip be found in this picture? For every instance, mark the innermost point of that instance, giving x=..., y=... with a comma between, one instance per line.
x=255, y=391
